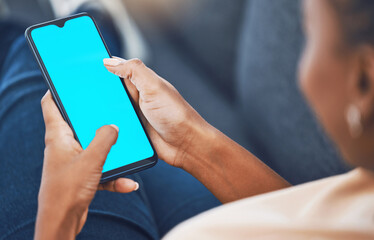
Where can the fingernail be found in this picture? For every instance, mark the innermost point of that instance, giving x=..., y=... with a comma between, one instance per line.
x=136, y=186
x=115, y=127
x=111, y=62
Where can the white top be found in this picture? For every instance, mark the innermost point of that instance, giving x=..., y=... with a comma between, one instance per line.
x=339, y=207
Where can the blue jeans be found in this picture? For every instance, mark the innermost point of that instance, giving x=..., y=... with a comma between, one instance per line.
x=166, y=196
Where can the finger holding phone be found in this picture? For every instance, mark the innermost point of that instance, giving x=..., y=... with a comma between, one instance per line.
x=71, y=175
x=180, y=135
x=69, y=52
x=83, y=97
x=170, y=121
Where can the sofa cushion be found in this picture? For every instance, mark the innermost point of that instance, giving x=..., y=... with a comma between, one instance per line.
x=197, y=90
x=207, y=35
x=281, y=128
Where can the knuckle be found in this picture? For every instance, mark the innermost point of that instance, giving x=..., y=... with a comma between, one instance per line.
x=168, y=84
x=137, y=62
x=49, y=139
x=156, y=85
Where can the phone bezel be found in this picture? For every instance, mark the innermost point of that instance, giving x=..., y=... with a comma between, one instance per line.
x=115, y=173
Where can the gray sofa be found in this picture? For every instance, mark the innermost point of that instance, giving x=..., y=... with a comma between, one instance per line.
x=236, y=63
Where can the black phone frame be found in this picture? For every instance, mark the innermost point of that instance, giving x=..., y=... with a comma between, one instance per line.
x=115, y=173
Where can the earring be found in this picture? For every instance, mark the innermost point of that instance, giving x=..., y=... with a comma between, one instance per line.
x=353, y=117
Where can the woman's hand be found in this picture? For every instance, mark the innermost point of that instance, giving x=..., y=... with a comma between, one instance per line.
x=71, y=176
x=184, y=139
x=171, y=122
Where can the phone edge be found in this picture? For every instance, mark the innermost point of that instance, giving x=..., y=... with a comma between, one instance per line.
x=118, y=172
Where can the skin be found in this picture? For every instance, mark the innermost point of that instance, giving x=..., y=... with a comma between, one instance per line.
x=63, y=205
x=330, y=72
x=182, y=138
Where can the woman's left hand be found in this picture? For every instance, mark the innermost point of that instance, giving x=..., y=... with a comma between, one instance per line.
x=71, y=176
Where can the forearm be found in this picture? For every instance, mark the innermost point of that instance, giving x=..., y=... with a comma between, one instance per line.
x=228, y=170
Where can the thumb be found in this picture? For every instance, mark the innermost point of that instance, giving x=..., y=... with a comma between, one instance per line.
x=136, y=71
x=100, y=146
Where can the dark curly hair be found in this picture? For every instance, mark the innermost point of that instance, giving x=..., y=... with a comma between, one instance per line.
x=357, y=20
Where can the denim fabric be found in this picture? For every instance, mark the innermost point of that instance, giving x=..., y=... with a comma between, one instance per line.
x=166, y=196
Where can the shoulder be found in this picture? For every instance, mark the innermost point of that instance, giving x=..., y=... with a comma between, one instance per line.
x=331, y=205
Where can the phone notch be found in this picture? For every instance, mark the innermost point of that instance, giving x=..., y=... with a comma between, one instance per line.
x=60, y=23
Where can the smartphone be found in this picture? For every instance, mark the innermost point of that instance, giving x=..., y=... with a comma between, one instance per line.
x=70, y=53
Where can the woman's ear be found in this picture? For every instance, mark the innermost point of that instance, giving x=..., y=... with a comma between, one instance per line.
x=362, y=86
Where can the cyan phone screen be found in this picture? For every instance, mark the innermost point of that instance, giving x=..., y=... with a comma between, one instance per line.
x=92, y=97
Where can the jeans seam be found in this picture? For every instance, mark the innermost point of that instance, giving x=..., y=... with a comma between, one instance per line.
x=144, y=195
x=14, y=102
x=17, y=228
x=23, y=76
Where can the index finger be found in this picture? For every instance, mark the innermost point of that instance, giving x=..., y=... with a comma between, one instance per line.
x=52, y=117
x=143, y=78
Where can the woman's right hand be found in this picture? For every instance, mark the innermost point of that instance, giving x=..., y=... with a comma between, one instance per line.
x=171, y=122
x=184, y=139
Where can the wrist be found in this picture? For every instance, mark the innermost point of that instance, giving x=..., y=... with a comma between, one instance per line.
x=201, y=146
x=56, y=220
